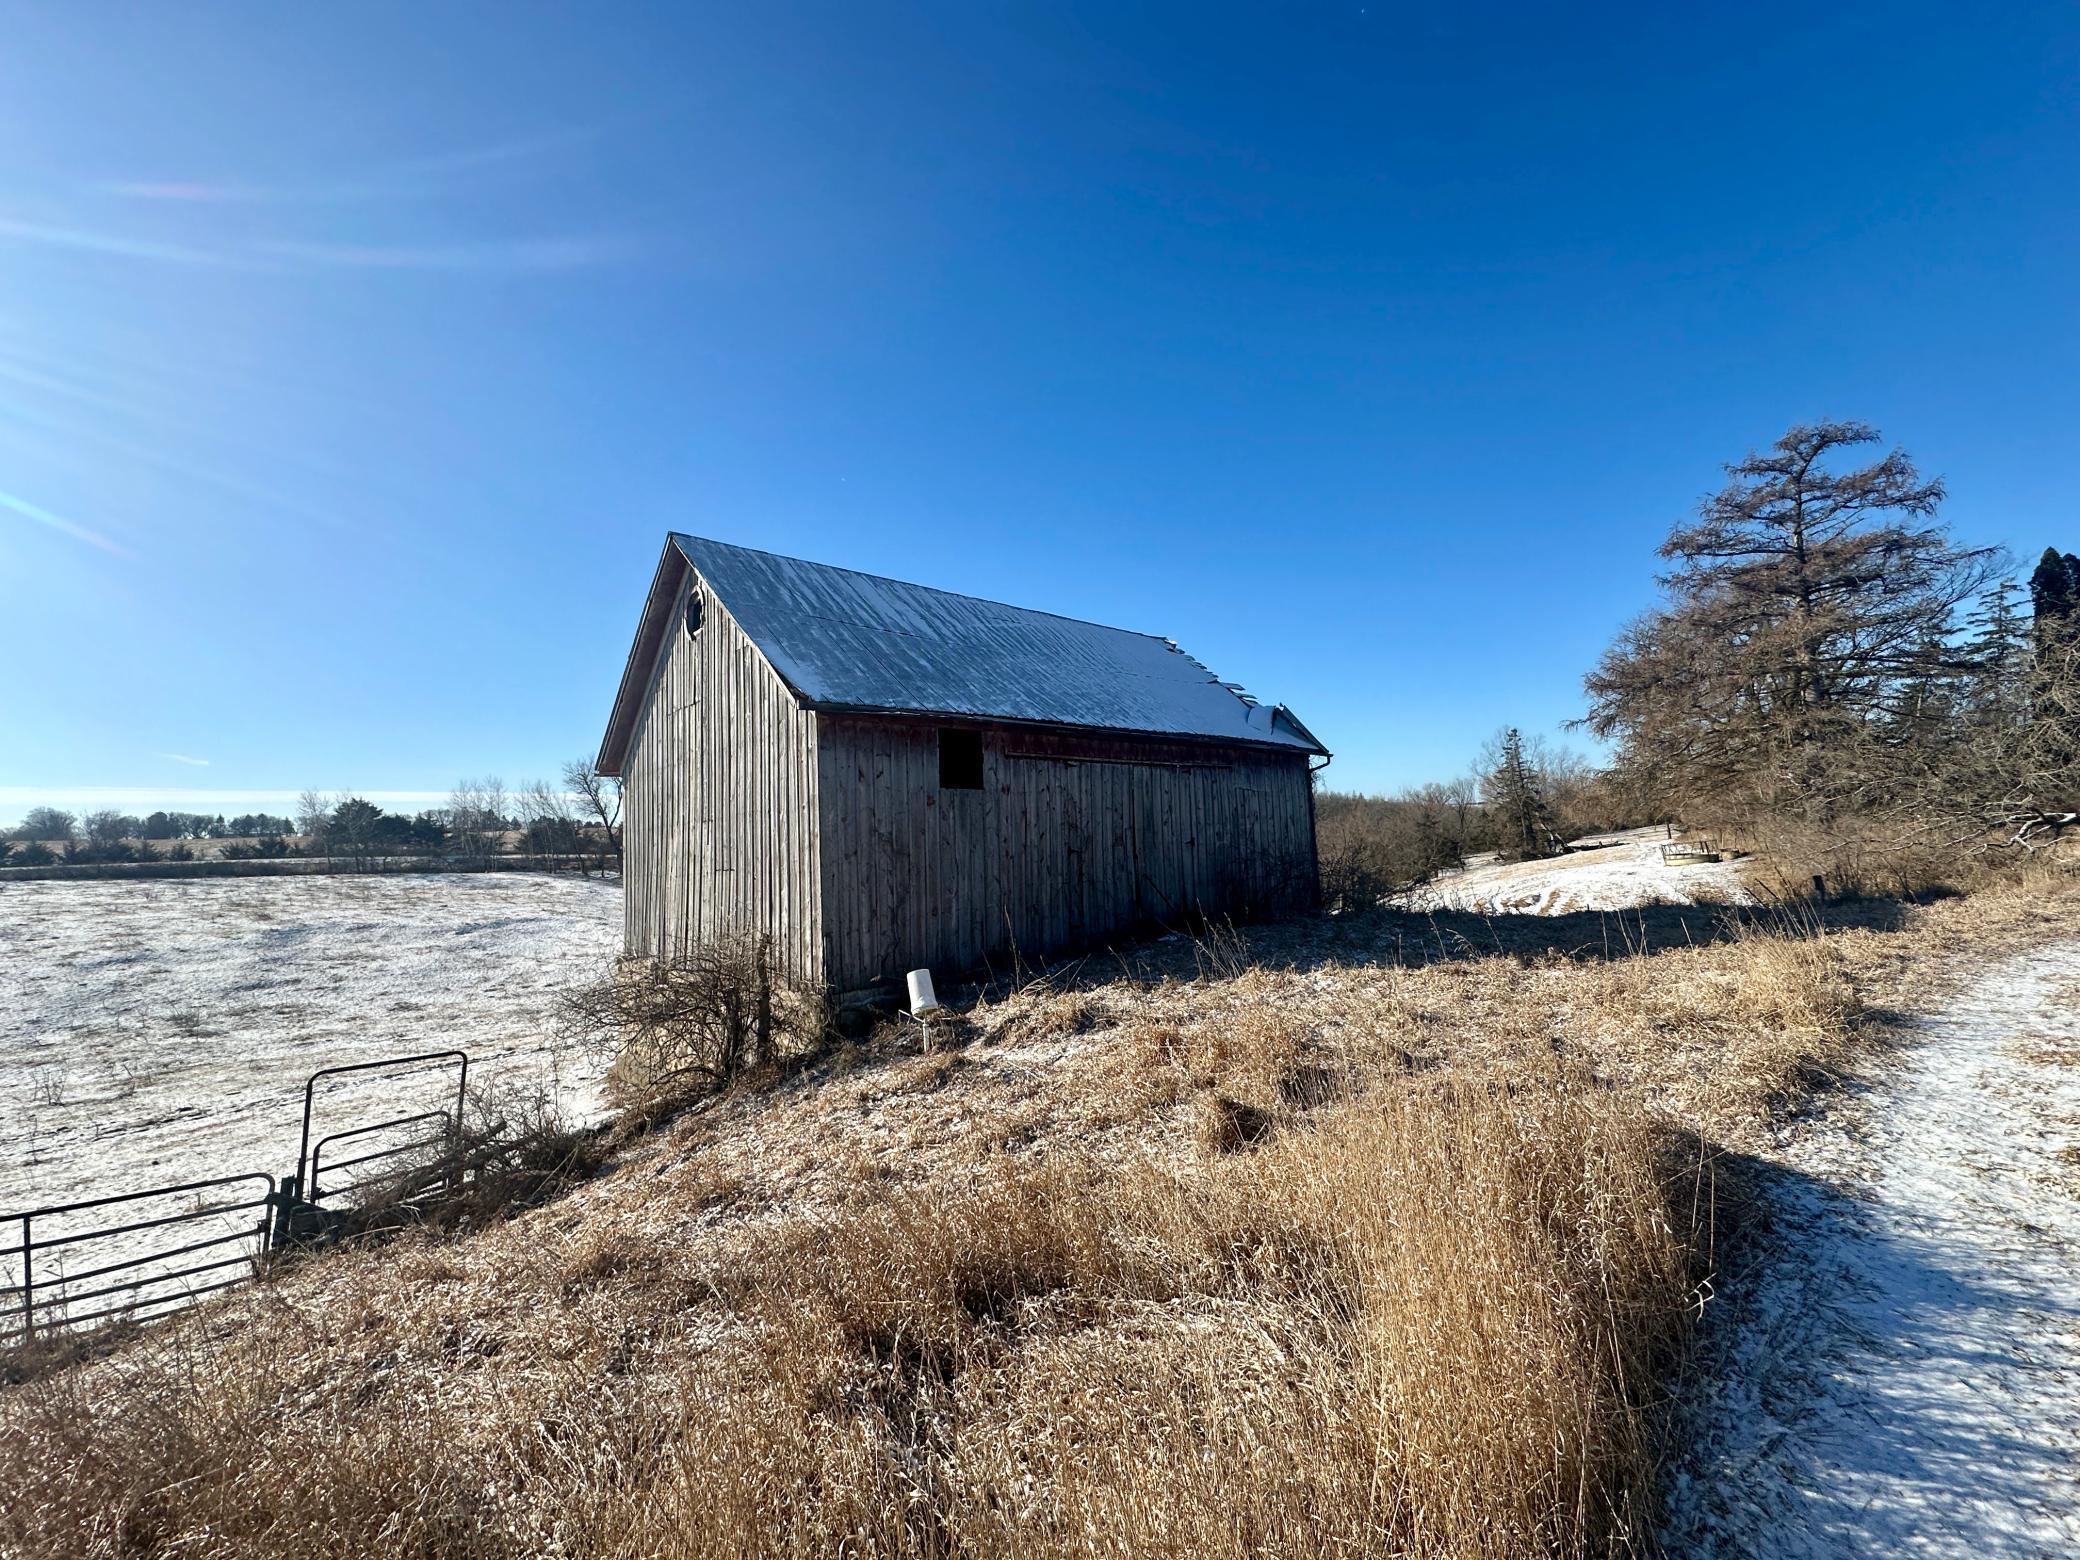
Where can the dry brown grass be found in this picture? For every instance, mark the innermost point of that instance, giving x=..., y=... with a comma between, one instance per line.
x=1430, y=1322
x=1005, y=1299
x=1865, y=856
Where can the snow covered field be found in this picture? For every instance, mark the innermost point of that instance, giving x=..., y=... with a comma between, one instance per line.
x=1899, y=1374
x=159, y=1031
x=1623, y=876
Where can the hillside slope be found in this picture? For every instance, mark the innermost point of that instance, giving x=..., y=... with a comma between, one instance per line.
x=1625, y=873
x=1384, y=1230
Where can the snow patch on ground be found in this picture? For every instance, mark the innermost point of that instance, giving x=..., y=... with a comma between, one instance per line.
x=1622, y=876
x=160, y=1031
x=1898, y=1371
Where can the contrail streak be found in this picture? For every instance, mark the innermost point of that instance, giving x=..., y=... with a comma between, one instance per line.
x=58, y=523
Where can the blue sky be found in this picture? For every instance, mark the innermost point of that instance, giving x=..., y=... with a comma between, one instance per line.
x=355, y=359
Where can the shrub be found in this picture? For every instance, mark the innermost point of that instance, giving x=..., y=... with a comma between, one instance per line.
x=270, y=848
x=110, y=852
x=694, y=1023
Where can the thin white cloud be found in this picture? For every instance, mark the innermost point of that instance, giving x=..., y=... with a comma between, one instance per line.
x=178, y=190
x=429, y=177
x=182, y=758
x=58, y=523
x=121, y=245
x=490, y=256
x=519, y=148
x=409, y=179
x=543, y=254
x=22, y=413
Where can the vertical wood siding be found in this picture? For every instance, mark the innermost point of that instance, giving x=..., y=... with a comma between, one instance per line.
x=1072, y=840
x=720, y=813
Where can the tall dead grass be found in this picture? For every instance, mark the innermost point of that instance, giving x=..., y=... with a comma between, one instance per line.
x=1775, y=1010
x=1427, y=1321
x=1423, y=1309
x=1429, y=1325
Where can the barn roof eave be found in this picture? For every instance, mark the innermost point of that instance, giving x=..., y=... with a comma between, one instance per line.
x=1305, y=740
x=642, y=657
x=1283, y=716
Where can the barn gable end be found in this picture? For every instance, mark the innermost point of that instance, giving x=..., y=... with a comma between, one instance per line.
x=719, y=785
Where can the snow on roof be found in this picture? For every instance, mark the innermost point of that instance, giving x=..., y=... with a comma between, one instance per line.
x=852, y=641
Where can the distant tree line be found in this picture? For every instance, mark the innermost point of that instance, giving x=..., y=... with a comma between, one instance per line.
x=54, y=823
x=1834, y=679
x=1522, y=798
x=577, y=824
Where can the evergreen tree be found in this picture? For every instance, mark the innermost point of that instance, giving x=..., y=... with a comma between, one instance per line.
x=2054, y=595
x=1806, y=648
x=1997, y=658
x=2052, y=771
x=1523, y=824
x=355, y=828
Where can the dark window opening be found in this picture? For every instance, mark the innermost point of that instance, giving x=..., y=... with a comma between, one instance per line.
x=693, y=613
x=960, y=760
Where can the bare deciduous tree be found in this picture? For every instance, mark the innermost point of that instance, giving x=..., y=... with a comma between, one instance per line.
x=549, y=819
x=46, y=823
x=600, y=795
x=108, y=827
x=477, y=814
x=696, y=1022
x=313, y=812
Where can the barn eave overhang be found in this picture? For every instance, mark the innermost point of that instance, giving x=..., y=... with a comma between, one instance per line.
x=1269, y=728
x=1304, y=741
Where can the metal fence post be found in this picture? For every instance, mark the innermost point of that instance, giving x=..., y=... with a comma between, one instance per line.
x=28, y=1288
x=285, y=1198
x=455, y=1127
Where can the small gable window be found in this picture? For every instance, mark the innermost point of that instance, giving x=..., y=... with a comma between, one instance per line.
x=693, y=612
x=960, y=759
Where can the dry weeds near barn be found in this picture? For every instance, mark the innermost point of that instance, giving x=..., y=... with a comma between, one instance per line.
x=882, y=775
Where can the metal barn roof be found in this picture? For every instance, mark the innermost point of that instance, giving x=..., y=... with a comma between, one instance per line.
x=843, y=640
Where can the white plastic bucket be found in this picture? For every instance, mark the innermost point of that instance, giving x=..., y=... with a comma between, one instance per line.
x=923, y=999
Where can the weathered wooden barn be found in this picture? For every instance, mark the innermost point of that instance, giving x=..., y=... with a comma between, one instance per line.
x=884, y=776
